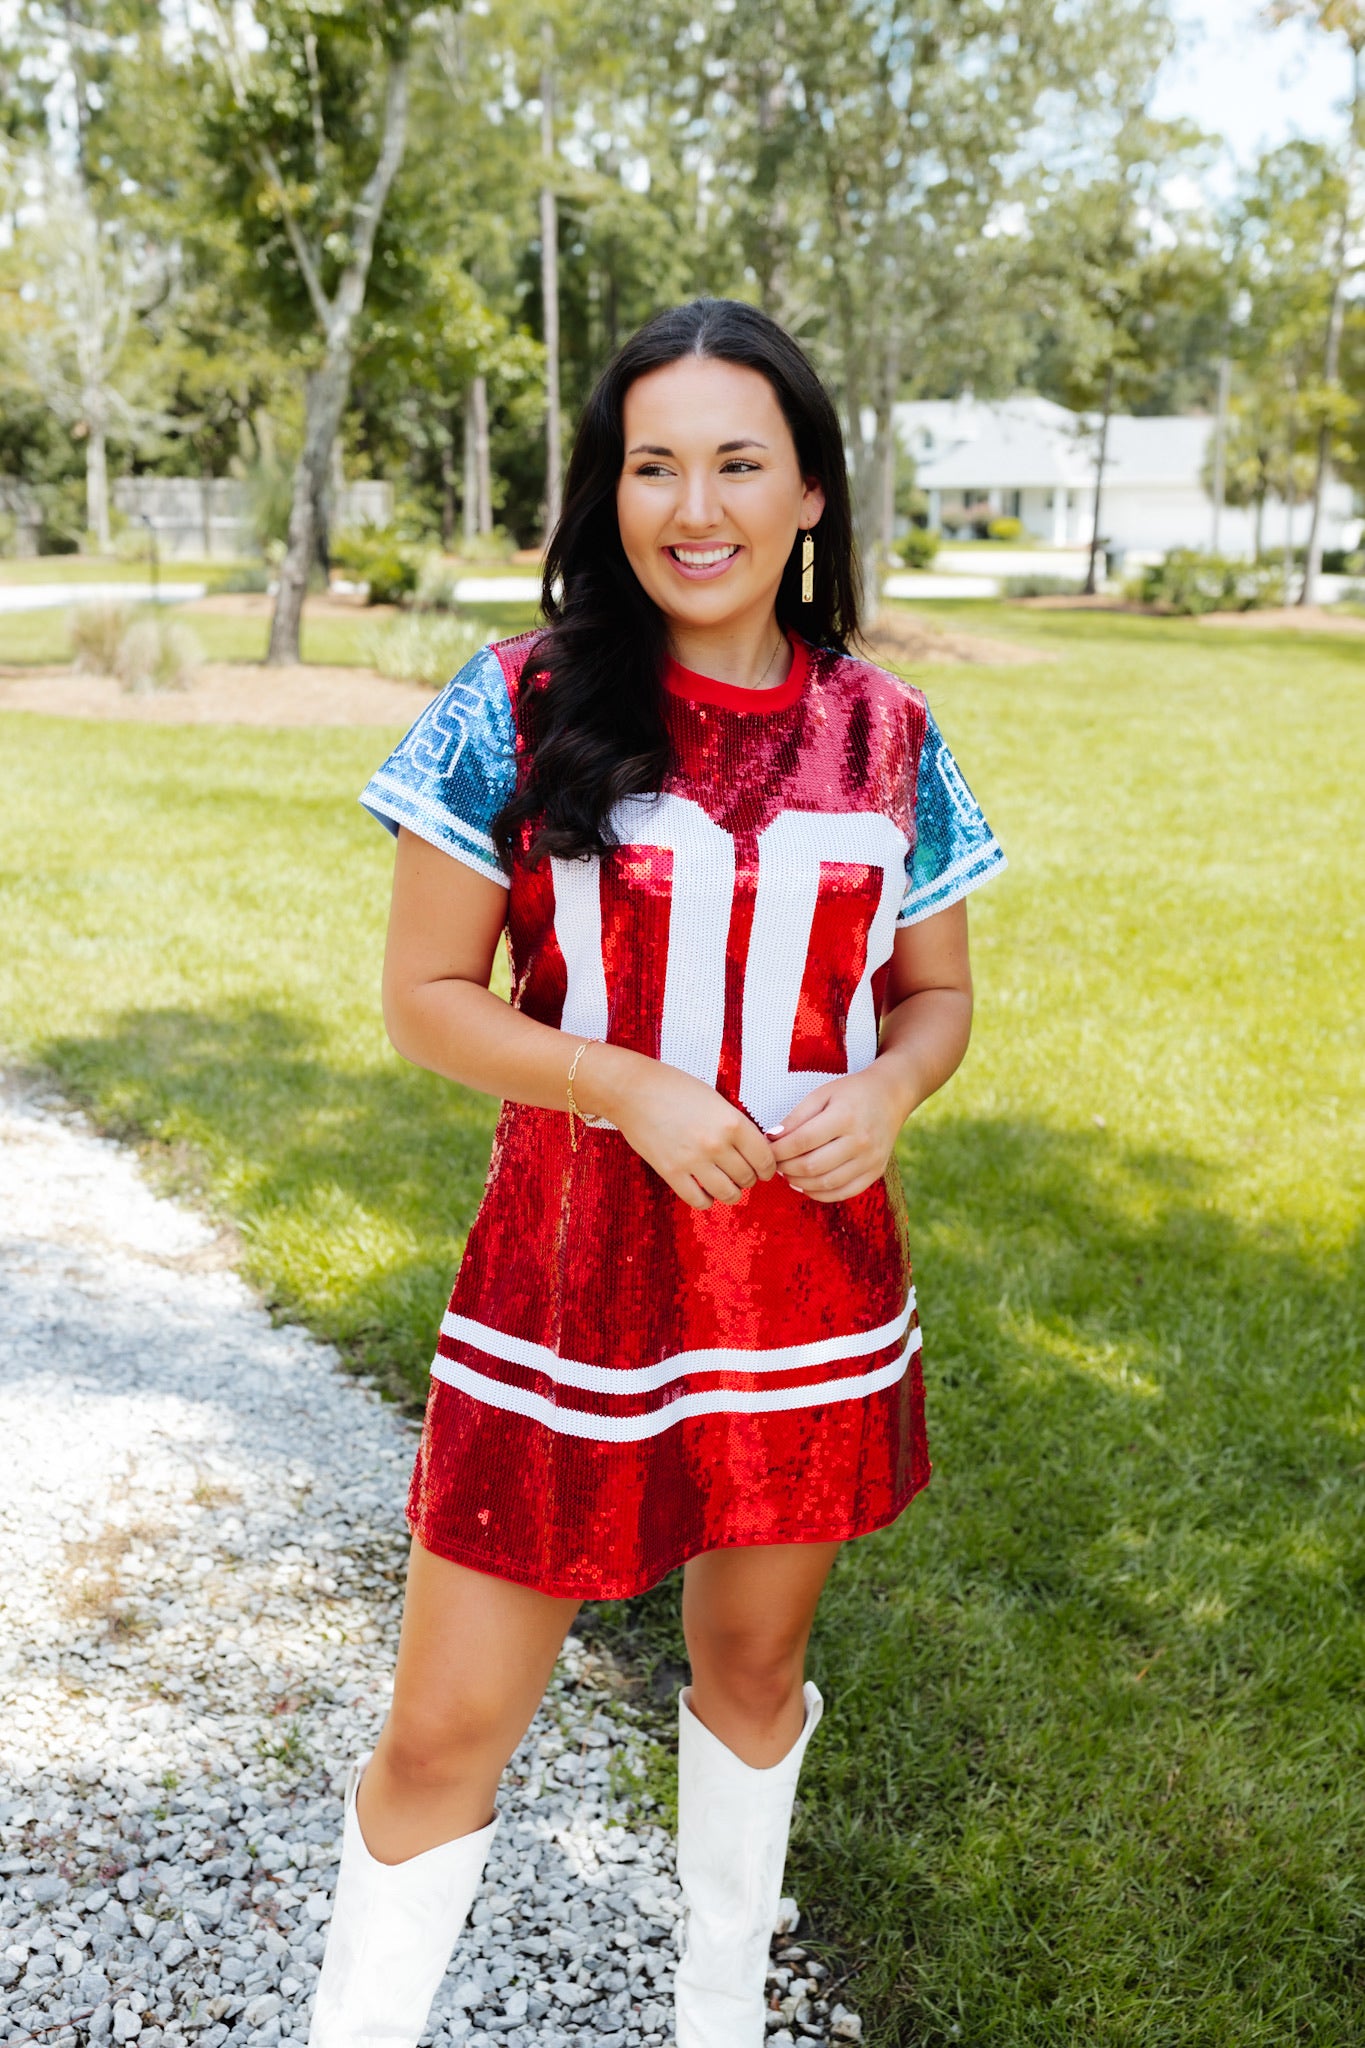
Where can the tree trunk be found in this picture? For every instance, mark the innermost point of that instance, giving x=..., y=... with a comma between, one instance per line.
x=1220, y=444
x=471, y=472
x=549, y=291
x=448, y=486
x=483, y=469
x=1331, y=367
x=326, y=401
x=329, y=386
x=97, y=479
x=1100, y=460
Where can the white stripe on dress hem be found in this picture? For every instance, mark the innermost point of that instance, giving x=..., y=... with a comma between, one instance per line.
x=632, y=1428
x=647, y=1379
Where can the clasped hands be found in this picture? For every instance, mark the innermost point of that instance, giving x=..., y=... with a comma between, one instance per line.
x=832, y=1145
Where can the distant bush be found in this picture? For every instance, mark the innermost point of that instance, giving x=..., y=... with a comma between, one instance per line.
x=1005, y=528
x=247, y=576
x=157, y=653
x=1041, y=586
x=145, y=652
x=97, y=632
x=436, y=578
x=497, y=546
x=1342, y=561
x=421, y=647
x=379, y=557
x=1191, y=583
x=917, y=548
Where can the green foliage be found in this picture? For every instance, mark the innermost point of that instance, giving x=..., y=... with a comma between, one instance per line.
x=917, y=548
x=145, y=649
x=380, y=557
x=97, y=632
x=1005, y=528
x=422, y=647
x=1190, y=583
x=1039, y=586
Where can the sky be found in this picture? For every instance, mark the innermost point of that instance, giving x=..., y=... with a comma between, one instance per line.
x=1255, y=86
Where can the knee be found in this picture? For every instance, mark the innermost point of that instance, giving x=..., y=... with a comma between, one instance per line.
x=757, y=1672
x=439, y=1748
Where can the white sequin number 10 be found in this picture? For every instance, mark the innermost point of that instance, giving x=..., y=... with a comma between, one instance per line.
x=791, y=851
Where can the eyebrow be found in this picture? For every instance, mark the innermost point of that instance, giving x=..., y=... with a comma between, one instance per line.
x=725, y=447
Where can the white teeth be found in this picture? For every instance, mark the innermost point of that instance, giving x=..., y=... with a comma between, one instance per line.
x=702, y=558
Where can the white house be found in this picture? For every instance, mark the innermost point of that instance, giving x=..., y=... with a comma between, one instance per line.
x=1030, y=459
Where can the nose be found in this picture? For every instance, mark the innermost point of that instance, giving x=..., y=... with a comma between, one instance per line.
x=698, y=508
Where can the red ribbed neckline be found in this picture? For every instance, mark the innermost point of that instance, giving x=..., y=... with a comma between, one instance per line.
x=685, y=682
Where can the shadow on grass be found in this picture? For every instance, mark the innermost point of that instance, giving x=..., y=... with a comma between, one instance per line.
x=1091, y=1768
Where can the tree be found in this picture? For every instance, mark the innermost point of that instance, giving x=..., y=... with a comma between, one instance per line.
x=1345, y=18
x=1285, y=214
x=861, y=156
x=314, y=121
x=86, y=281
x=1120, y=280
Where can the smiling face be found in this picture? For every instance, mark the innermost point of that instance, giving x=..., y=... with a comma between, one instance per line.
x=711, y=495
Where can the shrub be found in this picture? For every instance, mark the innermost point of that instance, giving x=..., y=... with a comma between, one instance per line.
x=379, y=557
x=247, y=576
x=1007, y=527
x=157, y=653
x=97, y=632
x=1041, y=586
x=422, y=647
x=497, y=546
x=436, y=584
x=1190, y=583
x=916, y=549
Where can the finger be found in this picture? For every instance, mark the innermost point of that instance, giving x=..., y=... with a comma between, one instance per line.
x=805, y=1109
x=843, y=1190
x=755, y=1150
x=690, y=1190
x=733, y=1163
x=840, y=1153
x=717, y=1183
x=818, y=1131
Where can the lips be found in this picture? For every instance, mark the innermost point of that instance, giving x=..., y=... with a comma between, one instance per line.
x=701, y=564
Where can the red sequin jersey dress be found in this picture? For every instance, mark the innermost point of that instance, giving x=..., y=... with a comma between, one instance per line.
x=621, y=1381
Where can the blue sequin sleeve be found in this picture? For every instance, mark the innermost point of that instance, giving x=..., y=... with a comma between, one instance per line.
x=955, y=849
x=449, y=776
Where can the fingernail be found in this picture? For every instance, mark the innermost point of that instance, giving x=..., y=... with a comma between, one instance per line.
x=775, y=1131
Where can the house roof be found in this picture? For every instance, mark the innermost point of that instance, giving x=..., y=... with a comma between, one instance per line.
x=1026, y=442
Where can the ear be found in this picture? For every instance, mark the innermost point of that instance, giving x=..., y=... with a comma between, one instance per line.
x=812, y=501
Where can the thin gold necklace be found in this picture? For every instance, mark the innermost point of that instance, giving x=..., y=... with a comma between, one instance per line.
x=781, y=636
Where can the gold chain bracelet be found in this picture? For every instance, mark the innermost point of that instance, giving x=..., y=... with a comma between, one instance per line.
x=575, y=1113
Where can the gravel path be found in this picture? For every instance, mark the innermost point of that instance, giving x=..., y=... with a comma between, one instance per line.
x=201, y=1548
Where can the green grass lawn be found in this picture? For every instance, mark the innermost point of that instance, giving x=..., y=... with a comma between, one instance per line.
x=335, y=639
x=1092, y=1767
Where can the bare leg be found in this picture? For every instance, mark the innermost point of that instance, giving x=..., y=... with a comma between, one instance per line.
x=474, y=1659
x=747, y=1616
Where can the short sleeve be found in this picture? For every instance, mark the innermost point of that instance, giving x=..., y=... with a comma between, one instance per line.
x=448, y=778
x=955, y=849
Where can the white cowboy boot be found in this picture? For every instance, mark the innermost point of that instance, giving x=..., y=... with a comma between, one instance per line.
x=732, y=1844
x=392, y=1931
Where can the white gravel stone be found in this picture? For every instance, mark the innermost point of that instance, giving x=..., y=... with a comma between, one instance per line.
x=201, y=1558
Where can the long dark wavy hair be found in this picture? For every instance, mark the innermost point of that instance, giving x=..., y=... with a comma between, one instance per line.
x=590, y=709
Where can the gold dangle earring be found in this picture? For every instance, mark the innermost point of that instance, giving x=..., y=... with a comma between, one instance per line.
x=807, y=569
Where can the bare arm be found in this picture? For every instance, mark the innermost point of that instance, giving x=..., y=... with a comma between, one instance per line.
x=444, y=924
x=838, y=1139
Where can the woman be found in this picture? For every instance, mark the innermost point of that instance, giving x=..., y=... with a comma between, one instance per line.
x=730, y=858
